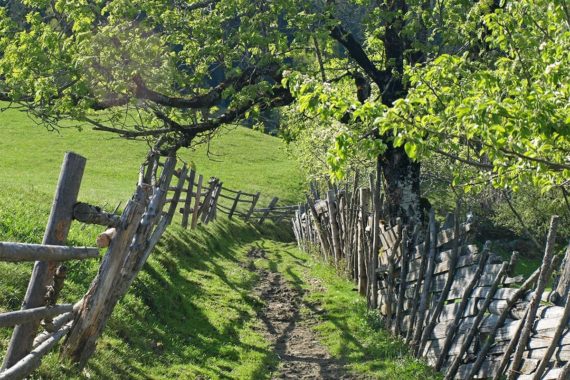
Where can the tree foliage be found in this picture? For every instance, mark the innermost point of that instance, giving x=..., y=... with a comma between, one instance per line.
x=499, y=102
x=482, y=83
x=159, y=70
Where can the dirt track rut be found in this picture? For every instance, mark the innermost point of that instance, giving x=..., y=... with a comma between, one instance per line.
x=300, y=354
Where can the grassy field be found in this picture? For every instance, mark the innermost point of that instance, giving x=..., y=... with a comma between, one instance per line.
x=191, y=313
x=242, y=158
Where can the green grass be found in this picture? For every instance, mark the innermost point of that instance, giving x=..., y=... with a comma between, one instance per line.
x=242, y=158
x=191, y=313
x=346, y=328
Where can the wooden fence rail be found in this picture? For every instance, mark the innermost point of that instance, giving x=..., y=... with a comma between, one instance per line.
x=202, y=201
x=458, y=307
x=15, y=252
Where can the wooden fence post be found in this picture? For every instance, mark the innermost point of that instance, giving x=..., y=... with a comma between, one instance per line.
x=268, y=210
x=176, y=198
x=563, y=286
x=213, y=208
x=332, y=208
x=205, y=206
x=234, y=206
x=196, y=202
x=253, y=203
x=361, y=255
x=188, y=200
x=56, y=232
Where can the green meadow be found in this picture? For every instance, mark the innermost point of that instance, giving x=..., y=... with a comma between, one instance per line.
x=191, y=313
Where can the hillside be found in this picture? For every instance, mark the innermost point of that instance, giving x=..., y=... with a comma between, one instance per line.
x=194, y=312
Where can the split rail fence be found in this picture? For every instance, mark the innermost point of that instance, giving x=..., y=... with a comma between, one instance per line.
x=129, y=238
x=200, y=202
x=455, y=305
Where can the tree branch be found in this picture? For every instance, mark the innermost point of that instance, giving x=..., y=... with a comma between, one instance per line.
x=357, y=53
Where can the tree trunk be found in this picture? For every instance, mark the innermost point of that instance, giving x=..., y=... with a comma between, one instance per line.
x=401, y=186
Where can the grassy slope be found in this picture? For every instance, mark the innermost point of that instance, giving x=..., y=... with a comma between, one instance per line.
x=242, y=158
x=191, y=313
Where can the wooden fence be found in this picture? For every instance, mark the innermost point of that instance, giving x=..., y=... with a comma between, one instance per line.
x=200, y=202
x=129, y=239
x=455, y=305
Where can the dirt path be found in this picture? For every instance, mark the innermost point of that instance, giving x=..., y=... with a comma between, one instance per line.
x=300, y=353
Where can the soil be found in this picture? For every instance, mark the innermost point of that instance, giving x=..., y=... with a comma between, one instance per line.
x=290, y=331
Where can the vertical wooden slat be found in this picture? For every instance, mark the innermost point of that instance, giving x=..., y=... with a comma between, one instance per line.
x=320, y=233
x=335, y=233
x=188, y=200
x=563, y=286
x=254, y=200
x=448, y=282
x=213, y=207
x=56, y=232
x=462, y=306
x=545, y=270
x=363, y=217
x=196, y=210
x=205, y=206
x=270, y=207
x=475, y=327
x=234, y=205
x=377, y=208
x=419, y=323
x=176, y=197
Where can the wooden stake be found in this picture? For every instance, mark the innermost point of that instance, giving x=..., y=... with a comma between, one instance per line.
x=364, y=195
x=197, y=204
x=176, y=197
x=545, y=270
x=419, y=324
x=475, y=327
x=188, y=200
x=448, y=282
x=563, y=286
x=234, y=205
x=417, y=291
x=403, y=273
x=56, y=232
x=254, y=200
x=337, y=250
x=520, y=292
x=462, y=306
x=268, y=210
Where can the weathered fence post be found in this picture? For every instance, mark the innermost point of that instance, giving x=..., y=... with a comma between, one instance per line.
x=176, y=198
x=270, y=207
x=197, y=202
x=361, y=258
x=56, y=232
x=188, y=200
x=234, y=205
x=142, y=224
x=252, y=207
x=214, y=207
x=332, y=209
x=563, y=286
x=205, y=206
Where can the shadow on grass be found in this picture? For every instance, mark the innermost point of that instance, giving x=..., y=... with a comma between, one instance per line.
x=191, y=307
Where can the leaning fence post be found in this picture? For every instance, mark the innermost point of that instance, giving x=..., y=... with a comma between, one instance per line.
x=176, y=198
x=268, y=210
x=196, y=202
x=188, y=200
x=56, y=232
x=234, y=206
x=253, y=203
